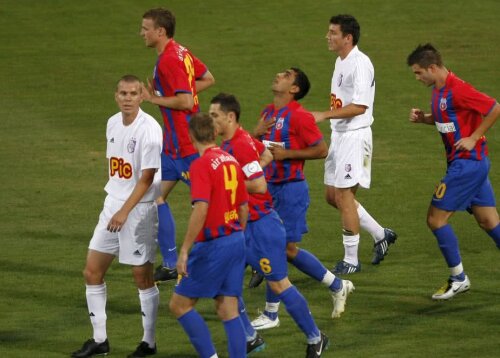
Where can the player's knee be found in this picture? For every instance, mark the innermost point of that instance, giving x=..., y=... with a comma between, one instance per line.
x=93, y=277
x=487, y=224
x=330, y=199
x=435, y=223
x=291, y=251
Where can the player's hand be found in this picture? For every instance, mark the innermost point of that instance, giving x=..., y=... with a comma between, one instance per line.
x=117, y=221
x=182, y=264
x=147, y=93
x=466, y=143
x=263, y=126
x=278, y=152
x=416, y=115
x=319, y=116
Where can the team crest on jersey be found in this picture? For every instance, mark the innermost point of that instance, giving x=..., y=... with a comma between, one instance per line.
x=442, y=104
x=279, y=123
x=348, y=167
x=131, y=145
x=339, y=81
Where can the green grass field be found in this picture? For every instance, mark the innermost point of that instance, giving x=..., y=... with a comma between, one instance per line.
x=59, y=61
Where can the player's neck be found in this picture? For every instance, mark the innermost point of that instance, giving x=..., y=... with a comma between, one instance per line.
x=160, y=47
x=281, y=99
x=344, y=52
x=202, y=147
x=441, y=77
x=128, y=118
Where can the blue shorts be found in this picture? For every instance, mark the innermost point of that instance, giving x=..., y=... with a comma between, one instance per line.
x=215, y=268
x=465, y=184
x=266, y=247
x=176, y=169
x=291, y=201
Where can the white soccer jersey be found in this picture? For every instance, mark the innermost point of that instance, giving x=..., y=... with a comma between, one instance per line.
x=353, y=81
x=131, y=149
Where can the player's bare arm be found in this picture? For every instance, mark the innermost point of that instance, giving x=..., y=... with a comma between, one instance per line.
x=205, y=81
x=142, y=186
x=257, y=185
x=263, y=126
x=196, y=221
x=349, y=111
x=181, y=101
x=317, y=151
x=243, y=215
x=418, y=116
x=266, y=157
x=468, y=143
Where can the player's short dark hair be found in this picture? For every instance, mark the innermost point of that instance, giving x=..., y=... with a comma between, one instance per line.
x=162, y=18
x=202, y=128
x=128, y=79
x=424, y=56
x=302, y=82
x=228, y=103
x=348, y=25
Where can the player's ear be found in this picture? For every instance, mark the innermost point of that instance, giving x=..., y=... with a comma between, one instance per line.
x=294, y=89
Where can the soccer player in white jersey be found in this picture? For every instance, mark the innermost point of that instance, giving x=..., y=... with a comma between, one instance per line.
x=348, y=164
x=128, y=223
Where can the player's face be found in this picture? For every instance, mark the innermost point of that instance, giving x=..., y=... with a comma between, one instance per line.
x=149, y=33
x=424, y=75
x=336, y=39
x=128, y=97
x=284, y=81
x=220, y=118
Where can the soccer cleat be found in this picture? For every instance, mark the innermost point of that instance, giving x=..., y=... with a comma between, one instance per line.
x=91, y=348
x=255, y=280
x=256, y=345
x=452, y=288
x=315, y=350
x=345, y=268
x=143, y=350
x=340, y=297
x=264, y=322
x=381, y=248
x=163, y=274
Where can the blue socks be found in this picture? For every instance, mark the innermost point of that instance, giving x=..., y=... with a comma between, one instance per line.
x=448, y=243
x=296, y=306
x=236, y=341
x=495, y=235
x=198, y=333
x=245, y=321
x=309, y=264
x=166, y=236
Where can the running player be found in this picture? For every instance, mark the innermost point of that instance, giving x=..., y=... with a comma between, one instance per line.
x=265, y=235
x=290, y=133
x=212, y=257
x=127, y=226
x=178, y=77
x=348, y=165
x=462, y=116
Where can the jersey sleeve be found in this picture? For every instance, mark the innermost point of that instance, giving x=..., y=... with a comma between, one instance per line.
x=363, y=78
x=201, y=182
x=470, y=98
x=307, y=128
x=151, y=147
x=241, y=191
x=259, y=146
x=247, y=156
x=199, y=67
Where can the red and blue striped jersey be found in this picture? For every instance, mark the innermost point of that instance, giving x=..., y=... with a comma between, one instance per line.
x=176, y=71
x=217, y=179
x=458, y=109
x=247, y=152
x=295, y=128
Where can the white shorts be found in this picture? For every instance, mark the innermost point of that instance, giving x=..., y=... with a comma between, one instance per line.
x=135, y=243
x=349, y=159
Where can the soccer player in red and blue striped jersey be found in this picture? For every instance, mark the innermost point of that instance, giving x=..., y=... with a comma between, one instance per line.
x=462, y=115
x=212, y=257
x=178, y=77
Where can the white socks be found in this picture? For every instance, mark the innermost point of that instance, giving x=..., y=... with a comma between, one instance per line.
x=368, y=223
x=351, y=243
x=272, y=307
x=328, y=278
x=150, y=299
x=96, y=303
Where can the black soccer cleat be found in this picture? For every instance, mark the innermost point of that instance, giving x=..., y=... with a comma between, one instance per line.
x=315, y=350
x=92, y=348
x=255, y=280
x=143, y=350
x=381, y=248
x=163, y=274
x=256, y=345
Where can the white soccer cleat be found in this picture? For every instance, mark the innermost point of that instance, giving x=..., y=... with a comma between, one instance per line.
x=264, y=322
x=339, y=298
x=452, y=288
